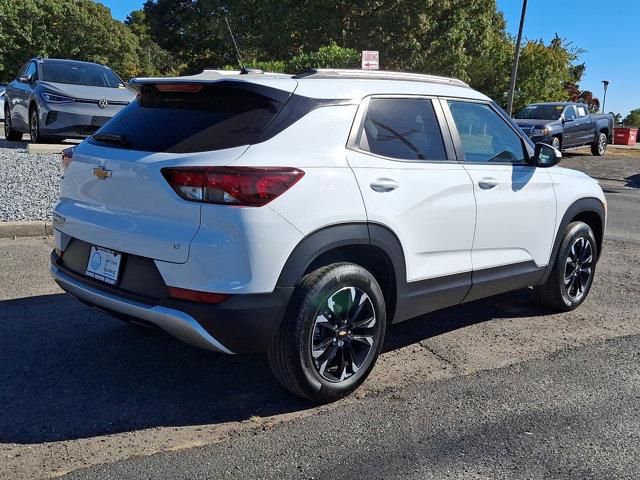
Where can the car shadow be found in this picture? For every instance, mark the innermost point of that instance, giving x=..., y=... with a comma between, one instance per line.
x=516, y=304
x=573, y=153
x=19, y=145
x=69, y=372
x=633, y=181
x=22, y=144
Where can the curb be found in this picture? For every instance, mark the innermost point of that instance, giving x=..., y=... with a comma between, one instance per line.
x=39, y=228
x=47, y=148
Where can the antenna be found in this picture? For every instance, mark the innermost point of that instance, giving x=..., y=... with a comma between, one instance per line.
x=225, y=12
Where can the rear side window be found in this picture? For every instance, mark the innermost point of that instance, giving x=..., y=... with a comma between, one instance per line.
x=215, y=117
x=403, y=129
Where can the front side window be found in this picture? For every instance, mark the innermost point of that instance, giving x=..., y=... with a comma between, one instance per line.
x=23, y=71
x=31, y=71
x=570, y=113
x=484, y=135
x=403, y=129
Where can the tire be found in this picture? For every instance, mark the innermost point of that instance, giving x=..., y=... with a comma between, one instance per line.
x=34, y=127
x=556, y=143
x=9, y=133
x=599, y=147
x=573, y=270
x=319, y=353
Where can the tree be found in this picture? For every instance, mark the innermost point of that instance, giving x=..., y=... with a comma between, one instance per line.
x=461, y=38
x=79, y=29
x=592, y=102
x=544, y=72
x=153, y=59
x=464, y=38
x=633, y=119
x=330, y=56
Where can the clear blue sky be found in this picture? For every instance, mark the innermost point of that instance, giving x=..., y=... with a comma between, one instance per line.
x=608, y=31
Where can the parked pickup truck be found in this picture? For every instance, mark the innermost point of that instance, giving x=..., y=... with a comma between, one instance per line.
x=566, y=125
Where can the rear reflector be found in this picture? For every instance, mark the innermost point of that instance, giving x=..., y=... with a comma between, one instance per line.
x=197, y=296
x=67, y=157
x=240, y=186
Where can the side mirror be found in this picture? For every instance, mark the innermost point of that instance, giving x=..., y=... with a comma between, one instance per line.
x=24, y=79
x=565, y=120
x=545, y=156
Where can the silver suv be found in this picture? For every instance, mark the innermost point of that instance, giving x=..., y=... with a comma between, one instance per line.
x=61, y=99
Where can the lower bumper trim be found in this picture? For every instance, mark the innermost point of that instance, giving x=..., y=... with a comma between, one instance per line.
x=175, y=322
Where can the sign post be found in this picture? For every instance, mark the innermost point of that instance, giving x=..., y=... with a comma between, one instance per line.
x=370, y=60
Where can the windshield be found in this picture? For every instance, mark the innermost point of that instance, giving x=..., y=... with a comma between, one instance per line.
x=542, y=112
x=88, y=74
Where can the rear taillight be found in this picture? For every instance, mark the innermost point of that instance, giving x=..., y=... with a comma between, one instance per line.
x=67, y=157
x=241, y=186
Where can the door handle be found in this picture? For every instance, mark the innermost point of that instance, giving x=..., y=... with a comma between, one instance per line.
x=382, y=185
x=487, y=183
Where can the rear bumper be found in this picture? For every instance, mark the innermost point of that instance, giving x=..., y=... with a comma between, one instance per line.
x=241, y=324
x=177, y=323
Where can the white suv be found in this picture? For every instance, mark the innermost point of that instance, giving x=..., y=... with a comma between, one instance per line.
x=301, y=215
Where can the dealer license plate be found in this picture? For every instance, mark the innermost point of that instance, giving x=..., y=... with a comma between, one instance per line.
x=104, y=265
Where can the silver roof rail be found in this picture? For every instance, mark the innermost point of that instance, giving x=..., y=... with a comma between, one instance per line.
x=328, y=73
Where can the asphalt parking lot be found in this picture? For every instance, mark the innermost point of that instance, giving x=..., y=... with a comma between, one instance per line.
x=498, y=388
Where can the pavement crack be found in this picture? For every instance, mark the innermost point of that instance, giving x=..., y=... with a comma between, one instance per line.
x=437, y=354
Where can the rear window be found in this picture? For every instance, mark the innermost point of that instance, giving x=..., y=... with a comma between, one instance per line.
x=217, y=116
x=91, y=75
x=403, y=129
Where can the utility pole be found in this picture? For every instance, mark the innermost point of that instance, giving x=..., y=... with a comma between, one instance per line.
x=516, y=58
x=604, y=99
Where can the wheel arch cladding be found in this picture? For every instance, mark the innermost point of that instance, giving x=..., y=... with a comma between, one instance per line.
x=371, y=246
x=588, y=210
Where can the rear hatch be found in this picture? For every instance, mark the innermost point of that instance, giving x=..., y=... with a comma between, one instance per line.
x=114, y=194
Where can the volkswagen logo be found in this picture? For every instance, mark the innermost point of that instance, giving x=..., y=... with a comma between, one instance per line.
x=102, y=103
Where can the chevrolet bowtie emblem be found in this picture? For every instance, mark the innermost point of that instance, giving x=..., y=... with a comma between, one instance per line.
x=101, y=173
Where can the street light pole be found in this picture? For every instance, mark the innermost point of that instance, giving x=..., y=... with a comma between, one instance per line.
x=604, y=99
x=516, y=59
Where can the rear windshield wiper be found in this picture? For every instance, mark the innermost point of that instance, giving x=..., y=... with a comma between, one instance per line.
x=114, y=138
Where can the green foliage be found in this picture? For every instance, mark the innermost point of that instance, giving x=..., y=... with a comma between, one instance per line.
x=544, y=70
x=277, y=66
x=461, y=38
x=79, y=29
x=330, y=56
x=633, y=119
x=464, y=38
x=153, y=59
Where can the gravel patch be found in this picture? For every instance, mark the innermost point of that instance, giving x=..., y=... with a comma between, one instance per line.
x=30, y=183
